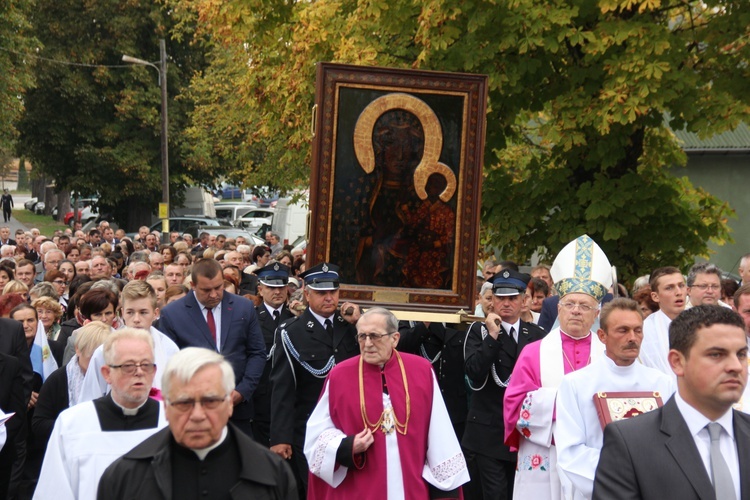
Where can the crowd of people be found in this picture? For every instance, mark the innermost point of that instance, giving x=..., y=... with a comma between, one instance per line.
x=214, y=368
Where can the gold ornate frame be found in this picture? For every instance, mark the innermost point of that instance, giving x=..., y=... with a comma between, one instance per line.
x=427, y=264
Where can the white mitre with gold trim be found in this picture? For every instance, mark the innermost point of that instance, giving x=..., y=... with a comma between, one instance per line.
x=582, y=267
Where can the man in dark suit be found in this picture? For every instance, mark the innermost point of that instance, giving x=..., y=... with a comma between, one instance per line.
x=5, y=238
x=271, y=313
x=227, y=323
x=696, y=446
x=492, y=349
x=13, y=343
x=306, y=349
x=12, y=400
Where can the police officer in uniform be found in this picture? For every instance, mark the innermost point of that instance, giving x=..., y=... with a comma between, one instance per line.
x=443, y=346
x=272, y=281
x=492, y=349
x=305, y=350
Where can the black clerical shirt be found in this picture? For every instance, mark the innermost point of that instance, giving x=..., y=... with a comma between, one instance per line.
x=112, y=418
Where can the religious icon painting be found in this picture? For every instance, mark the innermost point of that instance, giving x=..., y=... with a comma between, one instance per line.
x=396, y=184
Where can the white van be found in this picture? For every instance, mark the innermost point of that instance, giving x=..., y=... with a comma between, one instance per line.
x=291, y=219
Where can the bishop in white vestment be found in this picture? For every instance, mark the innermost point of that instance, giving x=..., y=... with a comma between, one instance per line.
x=582, y=276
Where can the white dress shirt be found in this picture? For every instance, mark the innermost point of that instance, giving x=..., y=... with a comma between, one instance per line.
x=697, y=423
x=217, y=319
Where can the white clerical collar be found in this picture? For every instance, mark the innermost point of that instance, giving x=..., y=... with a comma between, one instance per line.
x=203, y=452
x=129, y=411
x=575, y=338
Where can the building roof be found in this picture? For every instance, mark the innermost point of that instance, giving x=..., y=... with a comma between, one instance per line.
x=737, y=139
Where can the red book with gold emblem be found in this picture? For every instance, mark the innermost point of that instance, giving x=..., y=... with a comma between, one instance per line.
x=614, y=406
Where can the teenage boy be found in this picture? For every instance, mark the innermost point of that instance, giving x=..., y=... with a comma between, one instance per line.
x=139, y=310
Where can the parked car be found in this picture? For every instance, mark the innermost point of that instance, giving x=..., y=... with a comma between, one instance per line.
x=39, y=207
x=186, y=224
x=229, y=212
x=255, y=218
x=228, y=231
x=264, y=196
x=86, y=211
x=29, y=205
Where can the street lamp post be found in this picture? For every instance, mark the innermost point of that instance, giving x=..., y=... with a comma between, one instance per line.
x=161, y=69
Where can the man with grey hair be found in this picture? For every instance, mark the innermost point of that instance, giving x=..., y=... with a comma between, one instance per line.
x=703, y=285
x=200, y=452
x=744, y=269
x=156, y=260
x=7, y=251
x=5, y=238
x=91, y=435
x=407, y=442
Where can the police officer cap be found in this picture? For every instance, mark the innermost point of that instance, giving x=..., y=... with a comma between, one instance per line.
x=509, y=282
x=274, y=275
x=324, y=276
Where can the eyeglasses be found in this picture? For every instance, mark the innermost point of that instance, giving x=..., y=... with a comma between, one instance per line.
x=131, y=368
x=581, y=307
x=705, y=286
x=60, y=282
x=374, y=337
x=208, y=403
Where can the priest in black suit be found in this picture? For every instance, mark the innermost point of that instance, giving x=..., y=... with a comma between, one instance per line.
x=201, y=454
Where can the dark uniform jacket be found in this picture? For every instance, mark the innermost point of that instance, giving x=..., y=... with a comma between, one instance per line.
x=443, y=346
x=145, y=472
x=484, y=432
x=295, y=391
x=262, y=394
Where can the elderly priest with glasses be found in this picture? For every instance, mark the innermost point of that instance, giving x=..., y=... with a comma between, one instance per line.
x=90, y=436
x=201, y=454
x=582, y=276
x=381, y=429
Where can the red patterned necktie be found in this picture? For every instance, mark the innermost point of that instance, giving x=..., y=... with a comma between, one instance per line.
x=211, y=323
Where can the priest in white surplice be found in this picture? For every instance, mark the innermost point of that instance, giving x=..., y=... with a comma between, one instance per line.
x=579, y=434
x=582, y=275
x=380, y=429
x=668, y=289
x=91, y=435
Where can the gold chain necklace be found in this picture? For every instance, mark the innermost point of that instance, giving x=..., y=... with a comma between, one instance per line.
x=384, y=422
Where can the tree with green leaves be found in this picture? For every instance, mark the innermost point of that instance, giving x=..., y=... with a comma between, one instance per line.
x=23, y=176
x=16, y=41
x=92, y=124
x=582, y=99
